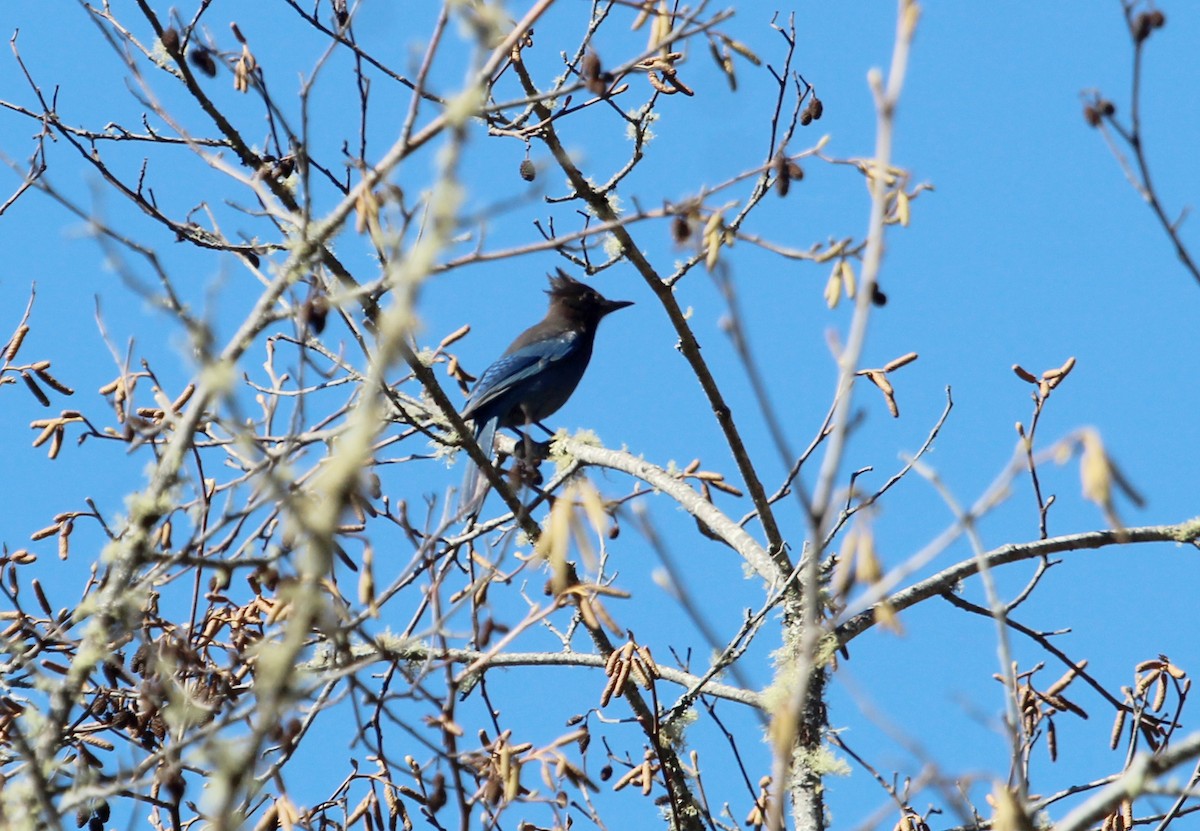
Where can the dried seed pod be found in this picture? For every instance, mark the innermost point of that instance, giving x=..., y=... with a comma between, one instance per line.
x=590, y=67
x=743, y=50
x=903, y=360
x=1067, y=677
x=41, y=534
x=40, y=594
x=648, y=660
x=1065, y=370
x=170, y=40
x=315, y=312
x=659, y=84
x=1118, y=728
x=340, y=14
x=284, y=167
x=48, y=429
x=201, y=58
x=595, y=78
x=833, y=287
x=724, y=61
x=1140, y=28
x=64, y=534
x=614, y=658
x=783, y=182
x=96, y=741
x=141, y=657
x=675, y=81
x=527, y=170
x=903, y=213
x=435, y=800
x=725, y=487
x=14, y=344
x=50, y=381
x=1160, y=693
x=35, y=389
x=243, y=70
x=712, y=238
x=680, y=230
x=183, y=398
x=1024, y=374
x=457, y=335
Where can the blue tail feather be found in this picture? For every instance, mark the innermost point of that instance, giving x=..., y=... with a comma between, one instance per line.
x=472, y=492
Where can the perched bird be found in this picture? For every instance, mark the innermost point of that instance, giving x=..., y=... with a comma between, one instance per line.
x=537, y=374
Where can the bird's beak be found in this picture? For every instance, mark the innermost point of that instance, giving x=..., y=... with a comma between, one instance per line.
x=611, y=306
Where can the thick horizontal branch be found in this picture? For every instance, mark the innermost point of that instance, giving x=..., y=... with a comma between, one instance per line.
x=688, y=498
x=1142, y=771
x=1184, y=532
x=417, y=651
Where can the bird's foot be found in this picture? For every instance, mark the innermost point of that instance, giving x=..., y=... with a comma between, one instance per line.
x=530, y=452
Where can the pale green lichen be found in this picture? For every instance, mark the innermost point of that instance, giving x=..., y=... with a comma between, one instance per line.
x=218, y=376
x=185, y=710
x=389, y=642
x=275, y=666
x=820, y=761
x=778, y=694
x=673, y=730
x=159, y=54
x=20, y=802
x=489, y=23
x=443, y=452
x=460, y=108
x=642, y=118
x=561, y=455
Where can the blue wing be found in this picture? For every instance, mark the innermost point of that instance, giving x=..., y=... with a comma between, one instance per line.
x=512, y=369
x=540, y=372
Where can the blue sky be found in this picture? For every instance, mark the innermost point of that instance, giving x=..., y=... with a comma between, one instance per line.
x=1032, y=248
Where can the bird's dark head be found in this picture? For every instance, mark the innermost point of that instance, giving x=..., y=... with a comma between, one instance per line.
x=578, y=301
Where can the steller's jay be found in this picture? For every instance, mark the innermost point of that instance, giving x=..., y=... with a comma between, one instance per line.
x=537, y=374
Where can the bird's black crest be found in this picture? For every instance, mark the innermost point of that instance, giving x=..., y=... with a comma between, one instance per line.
x=563, y=283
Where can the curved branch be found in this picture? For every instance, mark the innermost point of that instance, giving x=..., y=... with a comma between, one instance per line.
x=1130, y=784
x=721, y=525
x=1183, y=532
x=416, y=651
x=598, y=202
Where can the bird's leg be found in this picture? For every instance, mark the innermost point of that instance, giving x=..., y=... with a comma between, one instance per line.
x=529, y=455
x=529, y=452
